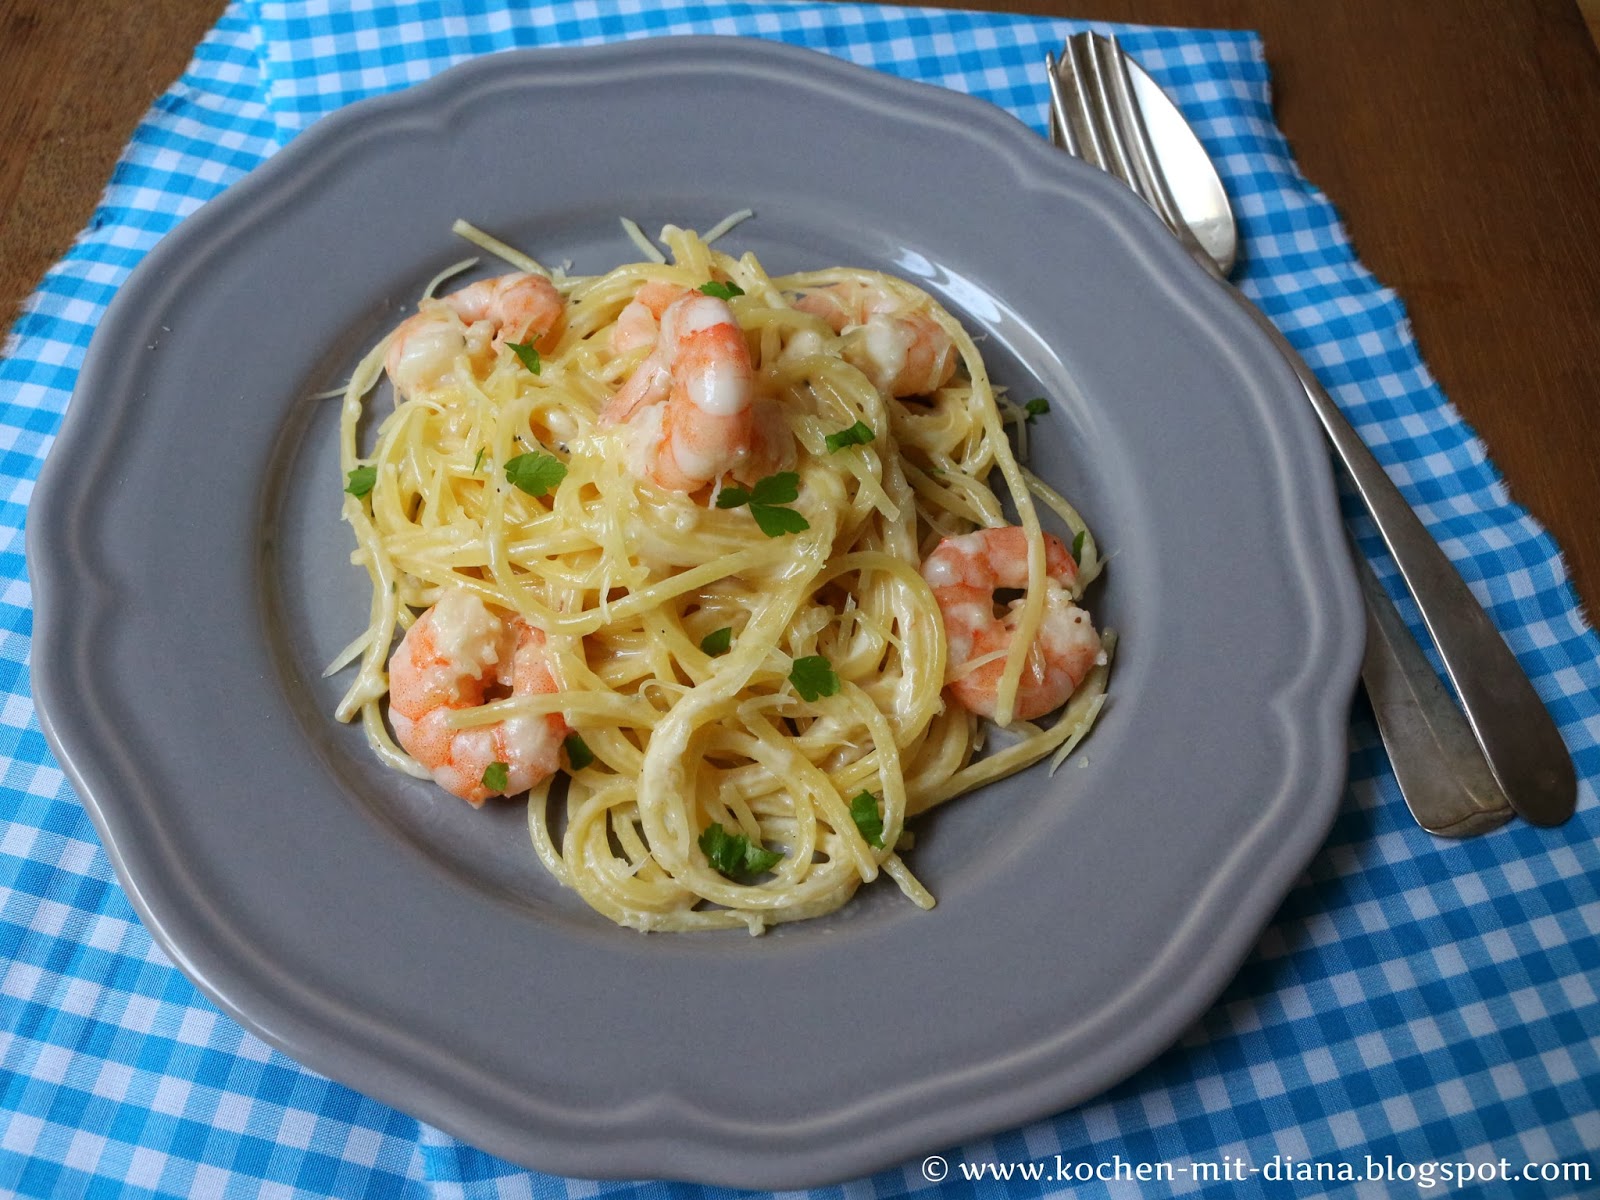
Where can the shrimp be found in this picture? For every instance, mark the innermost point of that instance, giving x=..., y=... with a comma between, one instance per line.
x=964, y=573
x=456, y=655
x=687, y=407
x=904, y=351
x=639, y=324
x=521, y=307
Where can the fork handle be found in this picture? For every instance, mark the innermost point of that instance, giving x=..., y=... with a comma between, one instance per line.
x=1518, y=737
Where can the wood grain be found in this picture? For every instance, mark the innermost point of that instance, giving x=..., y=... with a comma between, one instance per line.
x=78, y=76
x=1458, y=140
x=1456, y=137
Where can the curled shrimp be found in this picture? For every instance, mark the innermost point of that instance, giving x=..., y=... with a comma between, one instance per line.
x=687, y=407
x=456, y=655
x=964, y=573
x=638, y=325
x=903, y=350
x=476, y=321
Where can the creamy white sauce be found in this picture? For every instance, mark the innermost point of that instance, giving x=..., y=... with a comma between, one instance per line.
x=562, y=425
x=640, y=436
x=801, y=345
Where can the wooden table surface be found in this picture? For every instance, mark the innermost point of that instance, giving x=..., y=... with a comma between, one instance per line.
x=1459, y=138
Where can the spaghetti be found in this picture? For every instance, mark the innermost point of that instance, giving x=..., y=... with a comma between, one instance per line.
x=743, y=676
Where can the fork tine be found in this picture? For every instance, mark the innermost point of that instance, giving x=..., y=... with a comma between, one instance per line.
x=1071, y=116
x=1074, y=64
x=1061, y=131
x=1096, y=89
x=1095, y=116
x=1129, y=117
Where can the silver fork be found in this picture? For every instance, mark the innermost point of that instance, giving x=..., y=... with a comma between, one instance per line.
x=1095, y=117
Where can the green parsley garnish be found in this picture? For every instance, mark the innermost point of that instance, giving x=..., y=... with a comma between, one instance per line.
x=767, y=500
x=775, y=521
x=478, y=462
x=721, y=291
x=858, y=434
x=864, y=812
x=527, y=353
x=496, y=776
x=813, y=677
x=1036, y=407
x=734, y=854
x=536, y=473
x=579, y=755
x=1077, y=546
x=783, y=488
x=717, y=642
x=361, y=480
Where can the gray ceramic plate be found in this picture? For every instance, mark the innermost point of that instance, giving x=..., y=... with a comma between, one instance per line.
x=392, y=938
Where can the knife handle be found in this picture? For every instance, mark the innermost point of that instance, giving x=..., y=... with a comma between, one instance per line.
x=1515, y=731
x=1443, y=779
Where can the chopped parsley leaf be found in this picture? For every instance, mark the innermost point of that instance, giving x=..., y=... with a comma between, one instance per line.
x=733, y=854
x=496, y=776
x=361, y=480
x=858, y=434
x=478, y=462
x=813, y=677
x=1036, y=407
x=767, y=500
x=1077, y=546
x=775, y=521
x=783, y=488
x=527, y=353
x=864, y=812
x=721, y=291
x=717, y=642
x=579, y=755
x=536, y=473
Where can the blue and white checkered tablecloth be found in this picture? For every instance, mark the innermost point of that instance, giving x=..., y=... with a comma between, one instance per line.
x=1414, y=1001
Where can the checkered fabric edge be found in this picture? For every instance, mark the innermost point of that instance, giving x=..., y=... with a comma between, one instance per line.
x=1416, y=999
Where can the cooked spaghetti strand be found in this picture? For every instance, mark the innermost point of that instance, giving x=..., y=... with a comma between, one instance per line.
x=753, y=675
